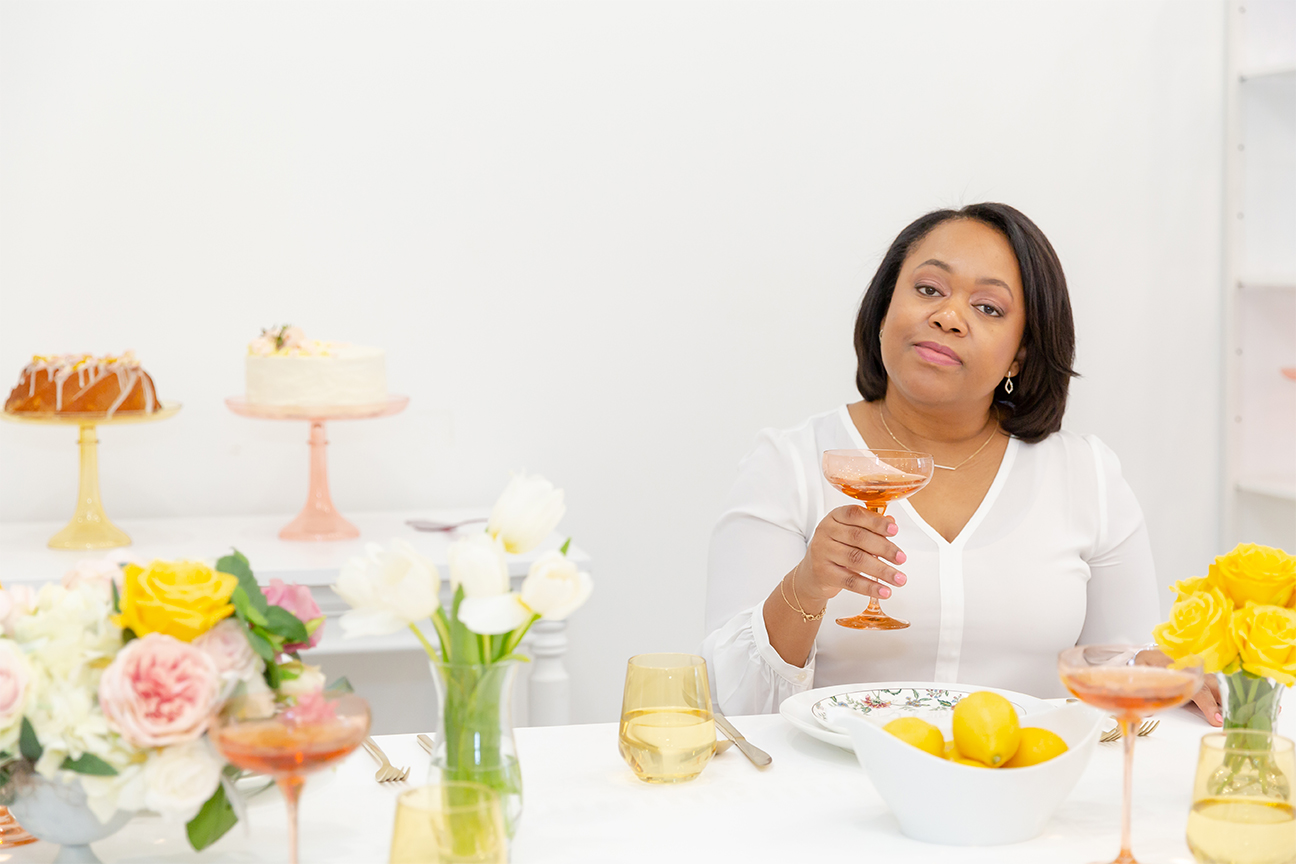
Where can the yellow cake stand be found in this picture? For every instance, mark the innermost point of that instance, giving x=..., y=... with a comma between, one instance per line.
x=90, y=528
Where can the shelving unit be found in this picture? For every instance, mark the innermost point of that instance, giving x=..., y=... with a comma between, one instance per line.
x=1260, y=275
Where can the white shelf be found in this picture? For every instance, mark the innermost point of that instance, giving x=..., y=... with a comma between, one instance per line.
x=1269, y=488
x=1272, y=70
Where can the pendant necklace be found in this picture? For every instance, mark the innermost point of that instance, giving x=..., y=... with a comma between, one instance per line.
x=882, y=415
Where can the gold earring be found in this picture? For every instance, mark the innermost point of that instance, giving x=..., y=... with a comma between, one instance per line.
x=1008, y=385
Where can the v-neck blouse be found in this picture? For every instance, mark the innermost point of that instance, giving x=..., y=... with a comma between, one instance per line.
x=1056, y=555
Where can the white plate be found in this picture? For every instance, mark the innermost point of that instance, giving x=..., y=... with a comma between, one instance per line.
x=799, y=709
x=934, y=703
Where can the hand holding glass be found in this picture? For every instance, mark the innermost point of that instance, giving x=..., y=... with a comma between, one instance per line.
x=667, y=729
x=1107, y=677
x=877, y=477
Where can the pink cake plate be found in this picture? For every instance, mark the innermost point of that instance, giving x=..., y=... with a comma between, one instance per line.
x=319, y=519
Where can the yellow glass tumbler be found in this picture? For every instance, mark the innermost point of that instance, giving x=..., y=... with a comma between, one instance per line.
x=1242, y=811
x=450, y=822
x=667, y=729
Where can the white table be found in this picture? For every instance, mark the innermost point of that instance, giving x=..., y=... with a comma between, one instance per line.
x=544, y=693
x=814, y=803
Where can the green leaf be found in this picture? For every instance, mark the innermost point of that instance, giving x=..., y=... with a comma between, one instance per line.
x=273, y=675
x=116, y=597
x=261, y=646
x=28, y=744
x=565, y=547
x=341, y=685
x=313, y=625
x=463, y=642
x=213, y=820
x=283, y=623
x=235, y=564
x=246, y=609
x=88, y=763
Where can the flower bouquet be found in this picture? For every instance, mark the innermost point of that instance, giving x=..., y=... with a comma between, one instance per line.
x=1241, y=620
x=477, y=636
x=110, y=679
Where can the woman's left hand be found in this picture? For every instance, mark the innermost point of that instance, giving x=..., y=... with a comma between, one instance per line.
x=1207, y=698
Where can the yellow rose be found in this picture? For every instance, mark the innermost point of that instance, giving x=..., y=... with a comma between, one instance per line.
x=1199, y=624
x=1187, y=587
x=1255, y=574
x=1266, y=641
x=183, y=599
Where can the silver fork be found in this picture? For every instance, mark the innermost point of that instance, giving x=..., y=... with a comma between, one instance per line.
x=387, y=772
x=1145, y=729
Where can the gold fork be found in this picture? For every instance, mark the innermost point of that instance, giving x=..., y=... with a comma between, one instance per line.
x=1145, y=729
x=387, y=772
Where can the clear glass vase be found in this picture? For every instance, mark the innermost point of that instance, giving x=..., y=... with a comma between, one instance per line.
x=1249, y=701
x=474, y=738
x=1249, y=704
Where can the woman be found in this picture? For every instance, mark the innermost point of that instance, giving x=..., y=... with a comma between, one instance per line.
x=1026, y=541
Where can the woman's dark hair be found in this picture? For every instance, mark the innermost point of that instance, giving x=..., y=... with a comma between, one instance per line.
x=1034, y=409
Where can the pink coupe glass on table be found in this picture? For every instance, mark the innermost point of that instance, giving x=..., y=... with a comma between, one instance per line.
x=319, y=519
x=287, y=742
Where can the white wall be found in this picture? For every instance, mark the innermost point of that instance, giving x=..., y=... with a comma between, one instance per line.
x=606, y=242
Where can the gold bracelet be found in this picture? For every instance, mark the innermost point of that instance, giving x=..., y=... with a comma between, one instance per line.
x=806, y=616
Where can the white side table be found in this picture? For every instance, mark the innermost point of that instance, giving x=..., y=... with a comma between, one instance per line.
x=396, y=661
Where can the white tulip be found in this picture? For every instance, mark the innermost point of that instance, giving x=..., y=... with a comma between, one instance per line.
x=527, y=510
x=180, y=779
x=491, y=616
x=554, y=587
x=477, y=563
x=387, y=589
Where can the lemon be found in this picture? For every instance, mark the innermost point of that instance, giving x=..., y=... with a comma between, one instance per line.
x=1037, y=745
x=986, y=728
x=963, y=760
x=919, y=733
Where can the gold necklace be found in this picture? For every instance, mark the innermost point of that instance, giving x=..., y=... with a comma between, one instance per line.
x=882, y=415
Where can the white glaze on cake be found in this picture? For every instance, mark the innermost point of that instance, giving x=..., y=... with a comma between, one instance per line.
x=89, y=370
x=318, y=374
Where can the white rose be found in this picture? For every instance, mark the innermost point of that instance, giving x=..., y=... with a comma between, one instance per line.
x=477, y=563
x=99, y=572
x=179, y=779
x=527, y=510
x=121, y=791
x=554, y=587
x=309, y=680
x=387, y=589
x=228, y=645
x=15, y=603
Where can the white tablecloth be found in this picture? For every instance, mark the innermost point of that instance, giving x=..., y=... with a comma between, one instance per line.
x=582, y=804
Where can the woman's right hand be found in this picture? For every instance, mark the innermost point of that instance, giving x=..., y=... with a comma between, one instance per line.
x=850, y=541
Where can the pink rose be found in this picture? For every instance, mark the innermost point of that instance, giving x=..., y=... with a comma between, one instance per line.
x=160, y=691
x=16, y=602
x=92, y=571
x=14, y=678
x=311, y=709
x=227, y=644
x=296, y=599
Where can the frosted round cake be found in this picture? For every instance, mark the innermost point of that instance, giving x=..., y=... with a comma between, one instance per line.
x=83, y=384
x=284, y=368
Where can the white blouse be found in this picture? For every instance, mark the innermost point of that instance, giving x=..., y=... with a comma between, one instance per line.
x=1056, y=555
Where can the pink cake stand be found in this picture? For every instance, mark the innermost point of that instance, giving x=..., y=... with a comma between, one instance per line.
x=318, y=520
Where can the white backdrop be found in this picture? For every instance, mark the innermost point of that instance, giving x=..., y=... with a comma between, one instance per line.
x=606, y=242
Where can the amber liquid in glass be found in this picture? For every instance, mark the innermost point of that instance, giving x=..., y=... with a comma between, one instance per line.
x=667, y=745
x=275, y=748
x=875, y=492
x=1240, y=831
x=1131, y=692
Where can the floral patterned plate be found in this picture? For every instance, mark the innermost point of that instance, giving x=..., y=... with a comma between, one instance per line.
x=884, y=702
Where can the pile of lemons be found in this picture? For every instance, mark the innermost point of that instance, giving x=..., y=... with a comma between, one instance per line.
x=986, y=735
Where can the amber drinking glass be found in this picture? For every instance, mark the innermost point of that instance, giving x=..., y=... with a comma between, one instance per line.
x=667, y=729
x=287, y=741
x=877, y=477
x=451, y=822
x=1242, y=809
x=1107, y=677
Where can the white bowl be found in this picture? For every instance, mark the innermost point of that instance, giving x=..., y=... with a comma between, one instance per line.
x=938, y=801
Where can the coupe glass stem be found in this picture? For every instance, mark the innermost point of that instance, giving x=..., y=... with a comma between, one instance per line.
x=290, y=787
x=1129, y=731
